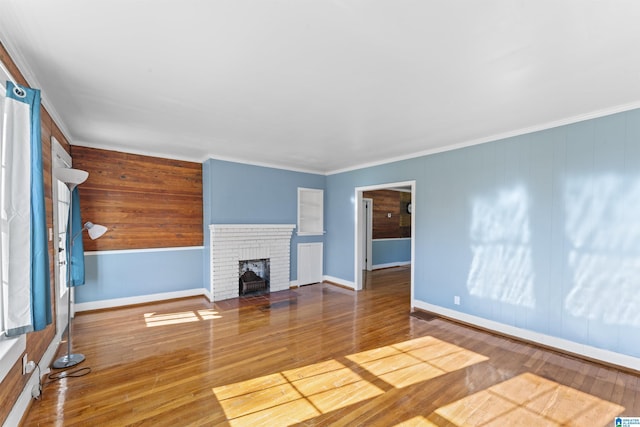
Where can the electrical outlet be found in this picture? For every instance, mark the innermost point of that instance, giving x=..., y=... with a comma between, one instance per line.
x=456, y=300
x=27, y=365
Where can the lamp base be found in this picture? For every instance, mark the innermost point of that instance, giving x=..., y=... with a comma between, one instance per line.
x=68, y=360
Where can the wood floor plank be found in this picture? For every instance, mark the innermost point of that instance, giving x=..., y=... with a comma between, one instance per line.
x=320, y=355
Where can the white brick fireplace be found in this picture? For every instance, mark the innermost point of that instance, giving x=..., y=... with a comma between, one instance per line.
x=232, y=243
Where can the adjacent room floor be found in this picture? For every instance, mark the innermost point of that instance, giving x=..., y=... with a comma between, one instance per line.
x=320, y=355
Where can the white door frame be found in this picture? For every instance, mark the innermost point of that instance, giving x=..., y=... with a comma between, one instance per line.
x=359, y=229
x=59, y=159
x=367, y=228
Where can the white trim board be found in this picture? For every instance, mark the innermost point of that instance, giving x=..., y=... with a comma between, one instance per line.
x=207, y=294
x=338, y=281
x=390, y=264
x=452, y=146
x=495, y=137
x=10, y=351
x=391, y=238
x=21, y=406
x=561, y=344
x=142, y=299
x=20, y=62
x=131, y=251
x=139, y=152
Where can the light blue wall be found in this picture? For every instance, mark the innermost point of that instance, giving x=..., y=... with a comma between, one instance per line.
x=237, y=193
x=233, y=193
x=340, y=210
x=122, y=274
x=390, y=251
x=539, y=231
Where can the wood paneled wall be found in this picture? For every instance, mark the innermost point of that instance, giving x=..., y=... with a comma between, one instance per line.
x=392, y=202
x=37, y=342
x=145, y=202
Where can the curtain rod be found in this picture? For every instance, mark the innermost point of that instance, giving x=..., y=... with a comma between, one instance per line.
x=8, y=73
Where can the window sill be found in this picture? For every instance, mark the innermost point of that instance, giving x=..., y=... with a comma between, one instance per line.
x=310, y=233
x=10, y=351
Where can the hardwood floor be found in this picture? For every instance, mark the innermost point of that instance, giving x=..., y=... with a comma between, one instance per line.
x=320, y=355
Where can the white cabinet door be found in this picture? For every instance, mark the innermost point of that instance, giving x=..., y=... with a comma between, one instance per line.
x=309, y=263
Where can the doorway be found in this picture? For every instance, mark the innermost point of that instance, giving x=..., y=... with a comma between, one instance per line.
x=61, y=201
x=362, y=229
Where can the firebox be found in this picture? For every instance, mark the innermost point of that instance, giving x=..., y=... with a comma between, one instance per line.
x=253, y=277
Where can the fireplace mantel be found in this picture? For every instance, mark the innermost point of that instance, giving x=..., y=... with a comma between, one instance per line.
x=232, y=243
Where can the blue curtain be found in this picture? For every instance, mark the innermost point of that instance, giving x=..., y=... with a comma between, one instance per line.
x=77, y=250
x=40, y=278
x=22, y=117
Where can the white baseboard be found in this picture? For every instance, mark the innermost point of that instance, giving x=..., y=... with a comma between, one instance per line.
x=561, y=344
x=337, y=280
x=293, y=284
x=390, y=264
x=22, y=404
x=142, y=299
x=10, y=350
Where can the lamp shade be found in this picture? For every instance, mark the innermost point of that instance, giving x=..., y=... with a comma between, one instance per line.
x=95, y=230
x=71, y=177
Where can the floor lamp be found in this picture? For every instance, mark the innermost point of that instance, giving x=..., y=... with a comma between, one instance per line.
x=72, y=178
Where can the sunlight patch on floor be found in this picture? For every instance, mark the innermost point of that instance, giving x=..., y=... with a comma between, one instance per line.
x=294, y=395
x=208, y=314
x=156, y=319
x=414, y=361
x=530, y=400
x=417, y=421
x=303, y=393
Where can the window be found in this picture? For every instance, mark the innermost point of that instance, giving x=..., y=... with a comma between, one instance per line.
x=3, y=249
x=10, y=349
x=310, y=211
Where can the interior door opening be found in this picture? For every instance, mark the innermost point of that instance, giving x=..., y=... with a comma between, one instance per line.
x=364, y=253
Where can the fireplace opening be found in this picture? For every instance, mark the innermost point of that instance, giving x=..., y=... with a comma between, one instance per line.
x=253, y=277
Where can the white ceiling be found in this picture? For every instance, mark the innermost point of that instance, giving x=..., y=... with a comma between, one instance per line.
x=321, y=85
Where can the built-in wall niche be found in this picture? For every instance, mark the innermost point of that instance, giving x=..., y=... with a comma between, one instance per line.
x=310, y=212
x=254, y=276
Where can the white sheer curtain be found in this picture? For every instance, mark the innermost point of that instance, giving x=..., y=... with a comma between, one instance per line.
x=25, y=266
x=10, y=348
x=3, y=224
x=16, y=218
